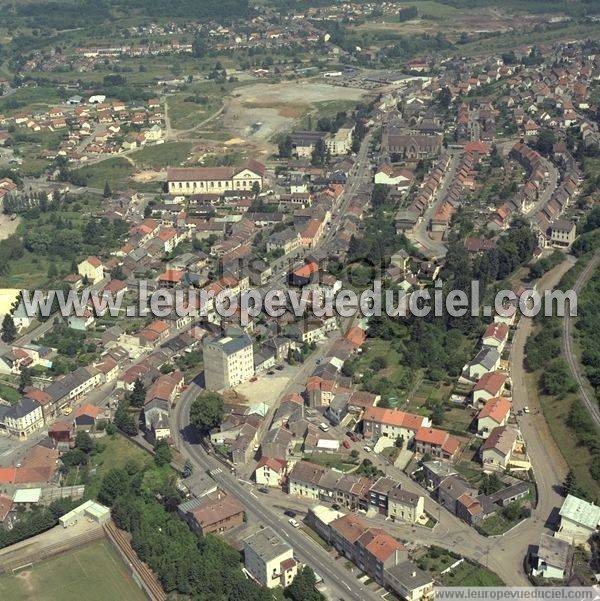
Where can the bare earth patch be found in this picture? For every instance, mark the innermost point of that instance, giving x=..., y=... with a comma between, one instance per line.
x=148, y=176
x=8, y=226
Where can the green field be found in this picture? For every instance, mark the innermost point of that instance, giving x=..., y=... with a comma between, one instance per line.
x=94, y=572
x=116, y=451
x=162, y=155
x=116, y=171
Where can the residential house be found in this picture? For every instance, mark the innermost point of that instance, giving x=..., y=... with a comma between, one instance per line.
x=486, y=360
x=498, y=448
x=495, y=336
x=213, y=514
x=269, y=559
x=92, y=269
x=409, y=582
x=379, y=421
x=553, y=559
x=270, y=472
x=436, y=443
x=489, y=386
x=495, y=412
x=405, y=505
x=23, y=418
x=579, y=520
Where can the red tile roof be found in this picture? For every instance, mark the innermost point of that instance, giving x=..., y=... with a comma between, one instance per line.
x=497, y=409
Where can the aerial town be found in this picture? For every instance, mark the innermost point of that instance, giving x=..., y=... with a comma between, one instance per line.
x=198, y=154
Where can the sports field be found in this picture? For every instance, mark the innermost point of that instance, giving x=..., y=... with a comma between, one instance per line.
x=94, y=572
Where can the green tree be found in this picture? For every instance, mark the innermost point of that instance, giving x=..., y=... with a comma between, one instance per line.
x=9, y=330
x=25, y=379
x=107, y=191
x=84, y=442
x=303, y=587
x=138, y=394
x=206, y=411
x=320, y=155
x=114, y=484
x=285, y=147
x=199, y=46
x=162, y=453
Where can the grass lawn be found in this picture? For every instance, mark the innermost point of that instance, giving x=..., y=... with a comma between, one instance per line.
x=468, y=574
x=162, y=155
x=8, y=393
x=457, y=419
x=496, y=524
x=117, y=452
x=28, y=98
x=31, y=271
x=577, y=456
x=509, y=41
x=334, y=461
x=116, y=171
x=94, y=572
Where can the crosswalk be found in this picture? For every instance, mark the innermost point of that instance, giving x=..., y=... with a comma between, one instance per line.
x=217, y=470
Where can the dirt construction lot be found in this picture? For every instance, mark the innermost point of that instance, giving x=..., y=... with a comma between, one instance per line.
x=256, y=112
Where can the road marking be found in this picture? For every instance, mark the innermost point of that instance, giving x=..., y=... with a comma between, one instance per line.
x=253, y=494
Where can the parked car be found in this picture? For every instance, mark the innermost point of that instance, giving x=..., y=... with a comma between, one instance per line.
x=346, y=444
x=324, y=426
x=367, y=449
x=289, y=513
x=352, y=436
x=294, y=523
x=526, y=409
x=264, y=490
x=279, y=367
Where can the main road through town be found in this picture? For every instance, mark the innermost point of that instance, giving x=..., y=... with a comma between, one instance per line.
x=338, y=580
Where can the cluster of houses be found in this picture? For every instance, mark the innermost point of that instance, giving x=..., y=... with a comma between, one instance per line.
x=424, y=196
x=93, y=127
x=373, y=551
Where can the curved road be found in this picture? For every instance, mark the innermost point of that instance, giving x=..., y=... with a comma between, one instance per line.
x=590, y=403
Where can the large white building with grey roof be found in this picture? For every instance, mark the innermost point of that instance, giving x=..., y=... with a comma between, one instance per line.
x=228, y=361
x=579, y=519
x=269, y=559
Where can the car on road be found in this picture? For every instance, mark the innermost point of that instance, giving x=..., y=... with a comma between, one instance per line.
x=346, y=444
x=289, y=513
x=270, y=372
x=264, y=490
x=367, y=449
x=324, y=426
x=279, y=367
x=294, y=523
x=526, y=409
x=352, y=436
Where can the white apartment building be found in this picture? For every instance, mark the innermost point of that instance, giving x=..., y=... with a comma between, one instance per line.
x=269, y=559
x=228, y=361
x=23, y=418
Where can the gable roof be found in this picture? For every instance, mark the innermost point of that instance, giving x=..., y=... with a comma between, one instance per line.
x=496, y=408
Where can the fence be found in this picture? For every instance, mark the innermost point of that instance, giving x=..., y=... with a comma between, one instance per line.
x=140, y=572
x=22, y=558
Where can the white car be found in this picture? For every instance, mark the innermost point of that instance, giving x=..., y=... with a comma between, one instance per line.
x=525, y=409
x=294, y=523
x=367, y=449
